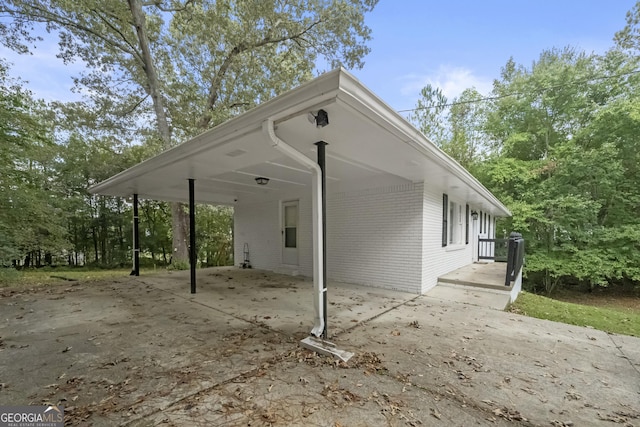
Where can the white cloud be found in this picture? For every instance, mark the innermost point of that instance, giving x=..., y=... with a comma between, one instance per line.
x=451, y=80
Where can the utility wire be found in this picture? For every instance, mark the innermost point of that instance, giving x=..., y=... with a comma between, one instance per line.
x=506, y=95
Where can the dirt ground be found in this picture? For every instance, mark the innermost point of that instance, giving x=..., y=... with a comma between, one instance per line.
x=611, y=297
x=143, y=352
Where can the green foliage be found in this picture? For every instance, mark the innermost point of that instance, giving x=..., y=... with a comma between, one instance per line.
x=179, y=265
x=612, y=320
x=214, y=234
x=163, y=71
x=558, y=143
x=47, y=276
x=9, y=276
x=565, y=162
x=30, y=212
x=455, y=126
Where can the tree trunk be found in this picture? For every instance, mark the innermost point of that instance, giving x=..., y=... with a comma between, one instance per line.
x=178, y=218
x=180, y=227
x=95, y=243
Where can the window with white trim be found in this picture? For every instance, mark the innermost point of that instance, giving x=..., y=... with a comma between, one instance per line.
x=456, y=223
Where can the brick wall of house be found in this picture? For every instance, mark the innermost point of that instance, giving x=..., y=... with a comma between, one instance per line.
x=375, y=237
x=258, y=224
x=389, y=237
x=438, y=260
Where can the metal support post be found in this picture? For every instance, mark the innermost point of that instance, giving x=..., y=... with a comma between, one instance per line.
x=192, y=234
x=322, y=163
x=136, y=238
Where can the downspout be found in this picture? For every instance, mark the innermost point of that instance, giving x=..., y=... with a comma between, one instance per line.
x=316, y=199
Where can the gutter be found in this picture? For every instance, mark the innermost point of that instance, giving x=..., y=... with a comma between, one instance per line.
x=316, y=199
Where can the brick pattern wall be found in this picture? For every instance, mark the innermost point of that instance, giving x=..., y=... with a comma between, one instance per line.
x=438, y=260
x=258, y=225
x=375, y=237
x=388, y=237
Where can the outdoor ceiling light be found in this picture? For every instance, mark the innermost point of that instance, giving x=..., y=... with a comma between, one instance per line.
x=320, y=119
x=262, y=180
x=474, y=214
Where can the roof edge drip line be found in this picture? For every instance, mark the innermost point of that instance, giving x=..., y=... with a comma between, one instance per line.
x=292, y=153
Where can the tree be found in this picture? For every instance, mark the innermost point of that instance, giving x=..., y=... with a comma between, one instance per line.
x=431, y=115
x=30, y=212
x=564, y=159
x=628, y=38
x=466, y=117
x=455, y=126
x=191, y=65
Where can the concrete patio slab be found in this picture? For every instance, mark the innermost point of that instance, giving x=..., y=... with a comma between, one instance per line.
x=143, y=351
x=498, y=300
x=490, y=275
x=283, y=303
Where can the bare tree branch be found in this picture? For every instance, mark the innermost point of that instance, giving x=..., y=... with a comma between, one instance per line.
x=45, y=16
x=216, y=81
x=135, y=106
x=239, y=104
x=136, y=53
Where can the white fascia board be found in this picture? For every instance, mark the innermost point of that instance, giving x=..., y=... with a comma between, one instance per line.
x=360, y=98
x=315, y=93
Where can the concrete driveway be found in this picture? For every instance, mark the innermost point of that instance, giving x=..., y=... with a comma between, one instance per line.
x=143, y=351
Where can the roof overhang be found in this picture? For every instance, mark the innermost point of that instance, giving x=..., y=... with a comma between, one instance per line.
x=368, y=142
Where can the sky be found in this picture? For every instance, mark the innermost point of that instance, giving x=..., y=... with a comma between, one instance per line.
x=451, y=44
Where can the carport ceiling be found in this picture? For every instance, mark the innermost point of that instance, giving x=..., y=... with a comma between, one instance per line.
x=367, y=141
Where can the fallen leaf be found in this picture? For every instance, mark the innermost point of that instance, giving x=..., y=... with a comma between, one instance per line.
x=436, y=414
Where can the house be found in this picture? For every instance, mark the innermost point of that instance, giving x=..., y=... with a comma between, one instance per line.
x=399, y=212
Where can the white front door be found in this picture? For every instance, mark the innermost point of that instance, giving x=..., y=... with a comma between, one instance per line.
x=290, y=233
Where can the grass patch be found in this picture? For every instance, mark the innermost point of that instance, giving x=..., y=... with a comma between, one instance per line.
x=614, y=320
x=51, y=276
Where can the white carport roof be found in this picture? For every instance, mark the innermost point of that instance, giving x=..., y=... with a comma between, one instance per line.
x=367, y=140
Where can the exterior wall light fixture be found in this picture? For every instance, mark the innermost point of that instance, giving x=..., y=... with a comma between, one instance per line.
x=320, y=119
x=474, y=215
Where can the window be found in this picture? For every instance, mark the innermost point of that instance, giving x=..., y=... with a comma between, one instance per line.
x=486, y=226
x=455, y=223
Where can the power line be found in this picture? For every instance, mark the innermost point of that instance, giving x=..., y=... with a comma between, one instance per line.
x=506, y=95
